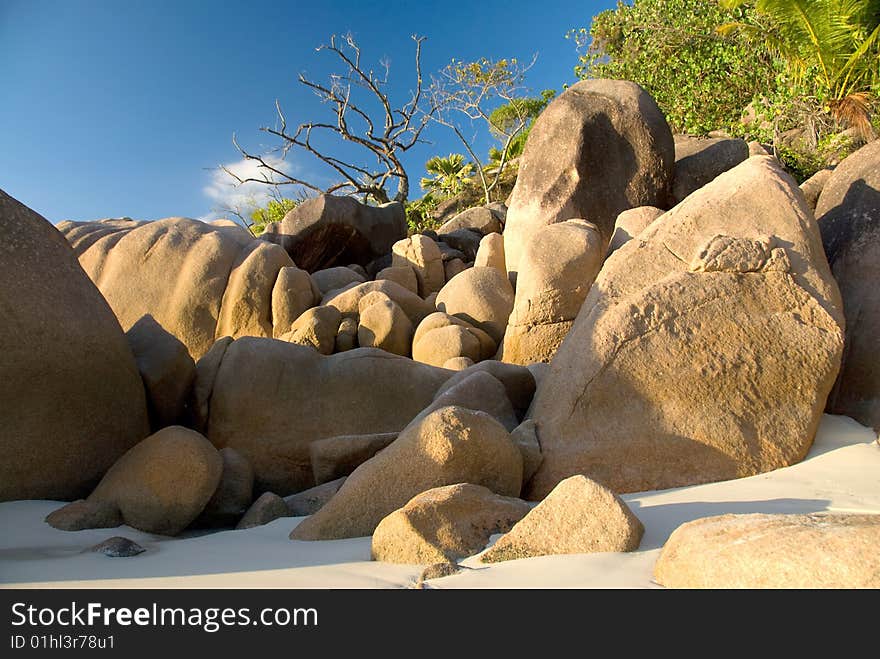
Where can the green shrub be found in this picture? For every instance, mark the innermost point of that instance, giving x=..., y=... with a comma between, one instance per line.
x=418, y=214
x=274, y=211
x=700, y=79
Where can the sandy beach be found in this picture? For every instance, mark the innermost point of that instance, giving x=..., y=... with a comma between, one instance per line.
x=840, y=474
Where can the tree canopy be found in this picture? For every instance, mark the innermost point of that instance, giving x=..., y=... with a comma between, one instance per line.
x=700, y=78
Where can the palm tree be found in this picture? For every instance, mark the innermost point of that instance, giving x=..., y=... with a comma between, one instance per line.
x=834, y=43
x=498, y=159
x=450, y=173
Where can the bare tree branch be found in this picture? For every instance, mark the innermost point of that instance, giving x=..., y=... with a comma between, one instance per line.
x=401, y=128
x=467, y=89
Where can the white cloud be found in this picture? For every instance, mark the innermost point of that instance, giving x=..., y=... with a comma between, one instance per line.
x=226, y=193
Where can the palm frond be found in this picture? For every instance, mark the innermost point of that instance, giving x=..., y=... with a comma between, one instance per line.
x=854, y=110
x=809, y=29
x=855, y=71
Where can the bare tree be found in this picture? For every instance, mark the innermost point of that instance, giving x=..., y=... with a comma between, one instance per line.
x=364, y=116
x=466, y=92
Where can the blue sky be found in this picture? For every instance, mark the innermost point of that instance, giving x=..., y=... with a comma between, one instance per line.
x=125, y=108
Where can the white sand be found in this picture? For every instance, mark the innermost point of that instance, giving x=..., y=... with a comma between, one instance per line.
x=841, y=473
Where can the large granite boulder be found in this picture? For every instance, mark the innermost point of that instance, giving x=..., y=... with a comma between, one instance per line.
x=272, y=399
x=579, y=516
x=348, y=299
x=479, y=391
x=316, y=327
x=329, y=231
x=384, y=325
x=73, y=401
x=162, y=484
x=336, y=457
x=699, y=160
x=773, y=551
x=200, y=282
x=631, y=223
x=293, y=294
x=451, y=445
x=704, y=351
x=482, y=219
x=167, y=370
x=599, y=148
x=441, y=337
x=445, y=524
x=234, y=493
x=556, y=271
x=491, y=253
x=334, y=279
x=422, y=255
x=517, y=380
x=849, y=219
x=481, y=296
x=206, y=373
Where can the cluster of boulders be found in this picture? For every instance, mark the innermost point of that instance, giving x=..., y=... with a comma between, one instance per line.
x=650, y=311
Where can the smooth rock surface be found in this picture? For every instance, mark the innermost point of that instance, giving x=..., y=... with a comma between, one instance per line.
x=272, y=399
x=723, y=343
x=556, y=271
x=167, y=370
x=849, y=220
x=162, y=484
x=599, y=148
x=451, y=445
x=445, y=524
x=773, y=551
x=699, y=160
x=579, y=516
x=73, y=401
x=481, y=296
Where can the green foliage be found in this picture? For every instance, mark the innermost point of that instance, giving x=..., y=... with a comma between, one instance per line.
x=511, y=124
x=506, y=118
x=701, y=79
x=418, y=214
x=832, y=46
x=803, y=161
x=473, y=79
x=514, y=150
x=449, y=174
x=274, y=211
x=491, y=91
x=802, y=70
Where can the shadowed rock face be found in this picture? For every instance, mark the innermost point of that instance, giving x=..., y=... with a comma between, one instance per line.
x=598, y=149
x=166, y=369
x=330, y=231
x=164, y=482
x=699, y=160
x=73, y=401
x=272, y=399
x=705, y=349
x=199, y=281
x=849, y=218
